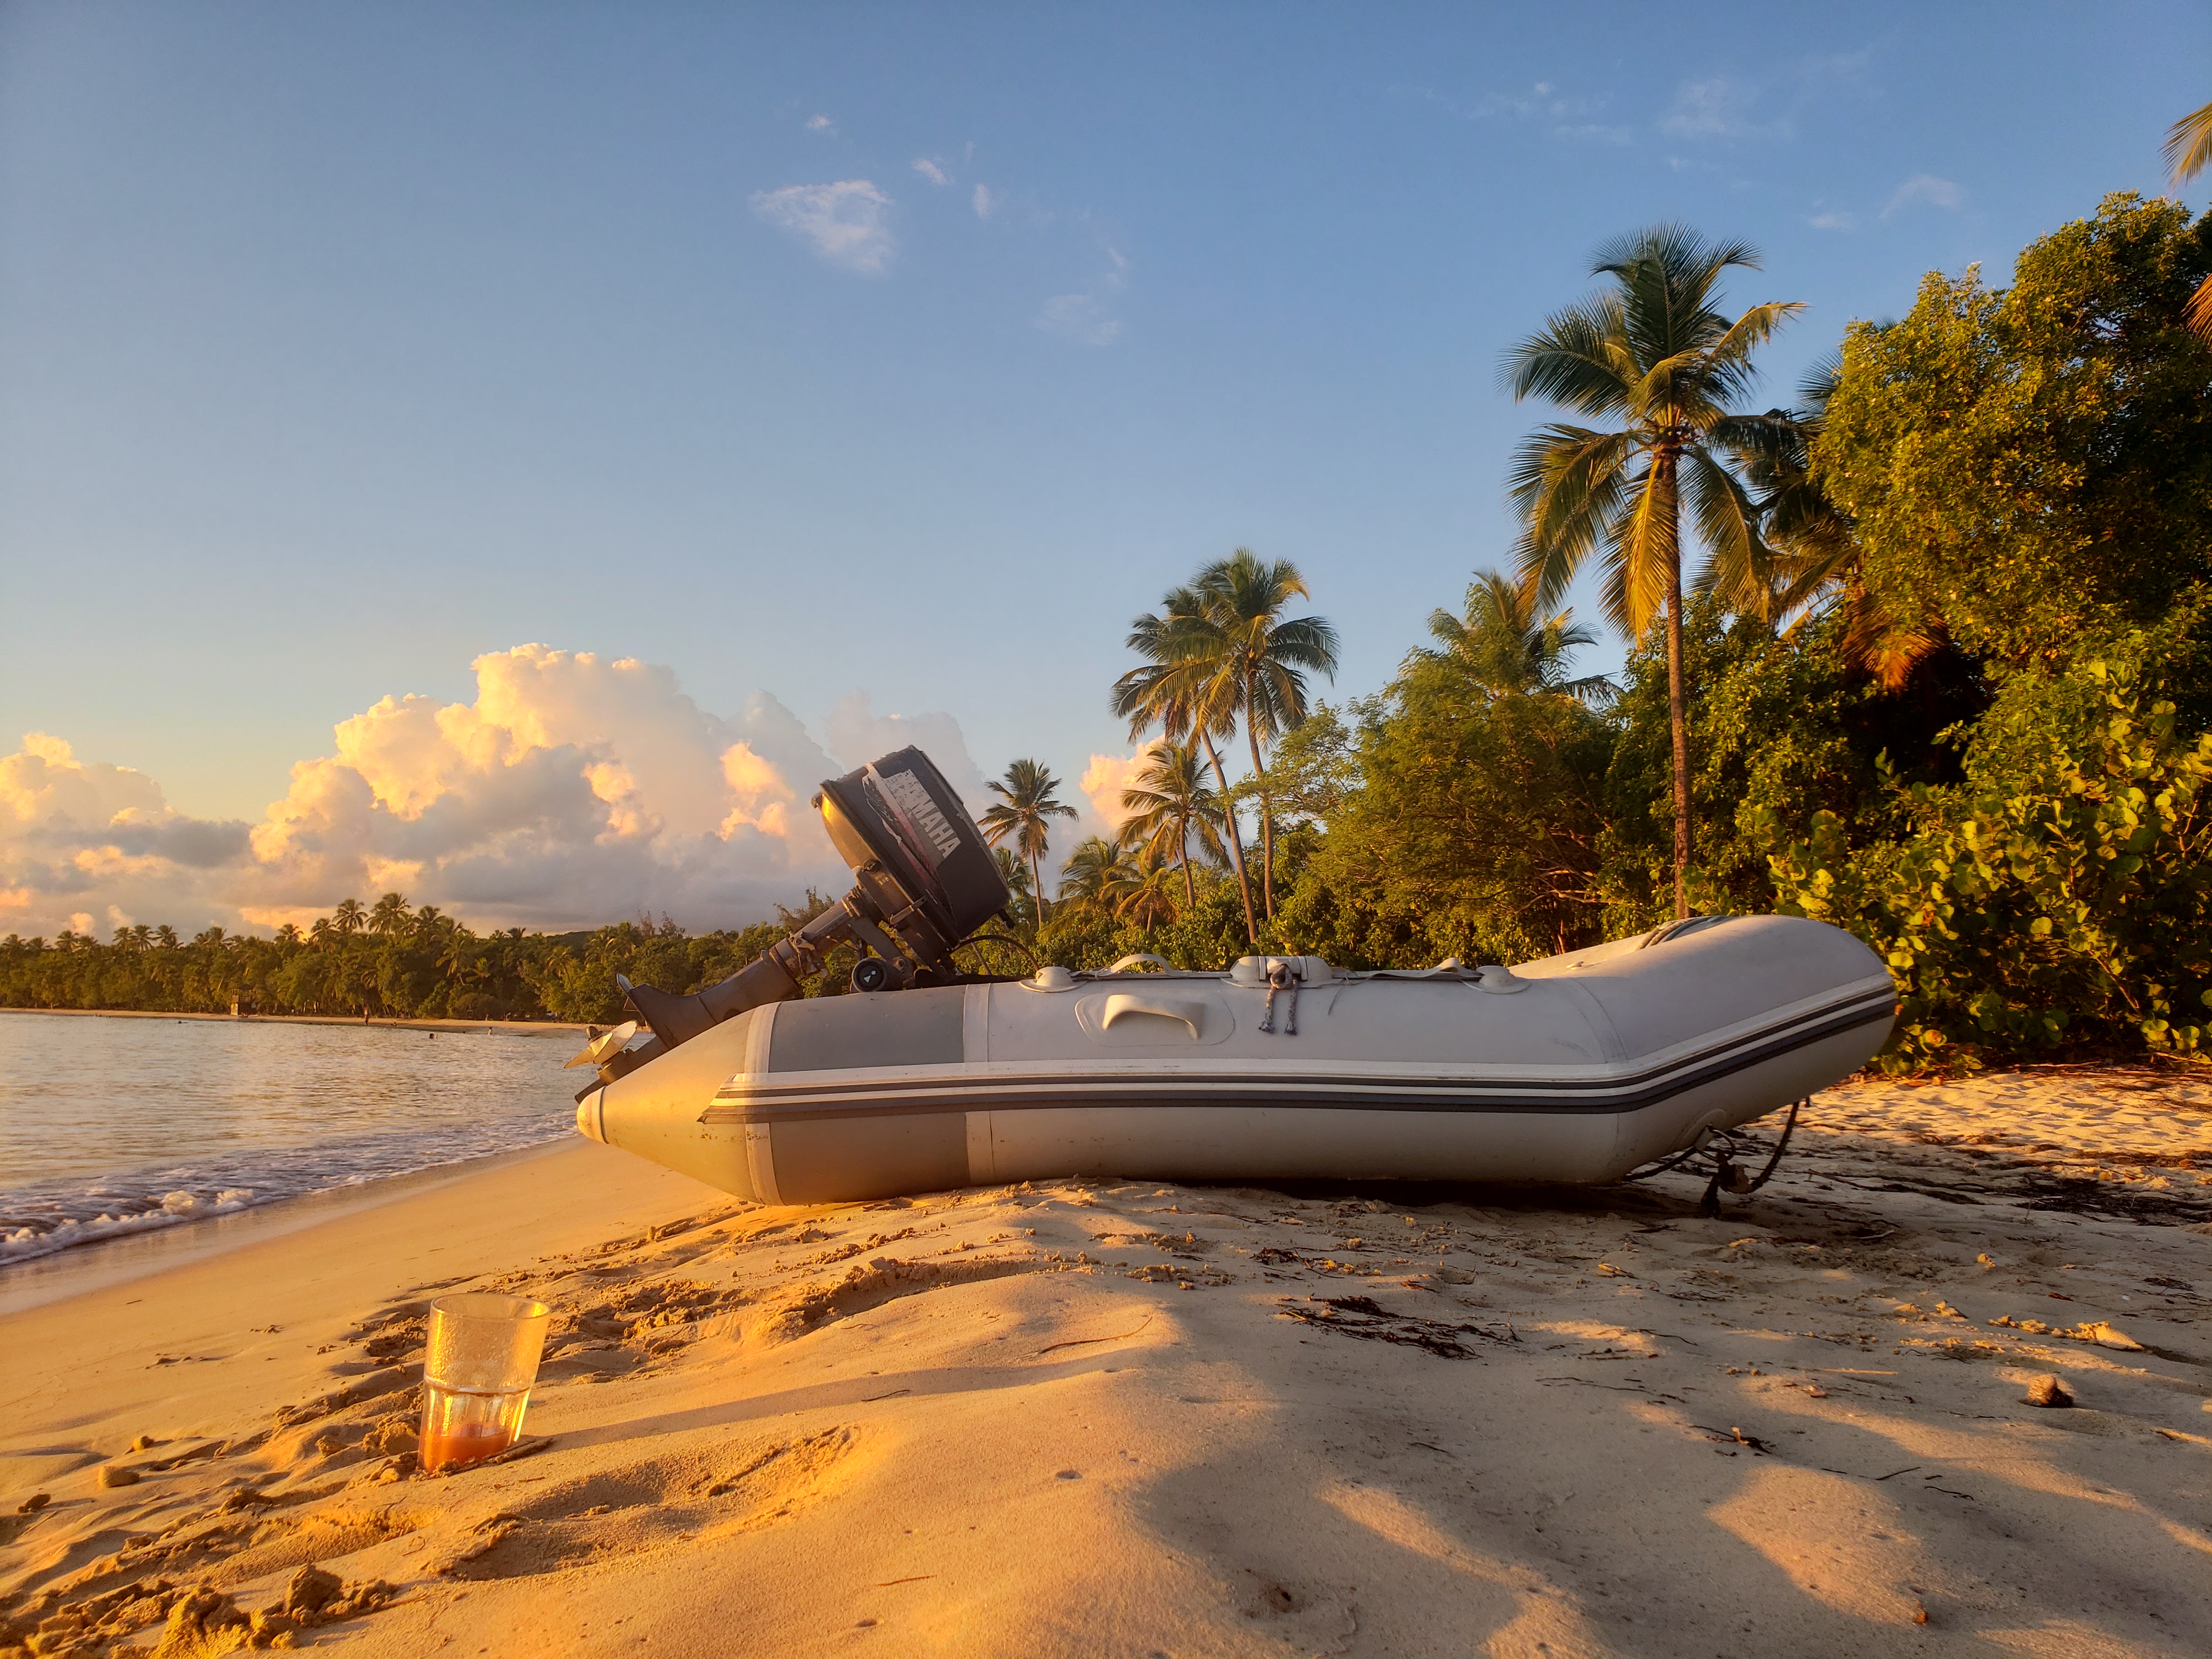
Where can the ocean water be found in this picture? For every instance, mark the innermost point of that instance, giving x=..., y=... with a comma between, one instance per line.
x=109, y=1127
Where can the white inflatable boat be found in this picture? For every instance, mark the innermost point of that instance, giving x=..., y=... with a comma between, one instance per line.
x=1577, y=1068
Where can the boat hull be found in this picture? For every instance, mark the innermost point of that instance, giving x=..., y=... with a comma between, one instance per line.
x=1577, y=1069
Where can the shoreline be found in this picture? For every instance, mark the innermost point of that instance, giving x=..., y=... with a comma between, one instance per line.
x=489, y=1027
x=102, y=1262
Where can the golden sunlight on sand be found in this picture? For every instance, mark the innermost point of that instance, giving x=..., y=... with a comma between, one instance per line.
x=1104, y=1418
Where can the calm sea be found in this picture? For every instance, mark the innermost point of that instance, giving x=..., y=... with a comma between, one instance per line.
x=116, y=1127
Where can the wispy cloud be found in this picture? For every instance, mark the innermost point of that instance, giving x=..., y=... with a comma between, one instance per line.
x=931, y=171
x=820, y=124
x=986, y=203
x=1540, y=103
x=844, y=223
x=1515, y=104
x=1834, y=220
x=1087, y=317
x=1924, y=187
x=1596, y=132
x=1718, y=108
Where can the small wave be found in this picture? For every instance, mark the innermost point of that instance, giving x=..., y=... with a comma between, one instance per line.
x=54, y=1216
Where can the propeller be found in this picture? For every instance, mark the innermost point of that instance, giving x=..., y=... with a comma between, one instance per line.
x=607, y=1042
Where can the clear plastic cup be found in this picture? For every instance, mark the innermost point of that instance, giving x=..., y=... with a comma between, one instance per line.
x=481, y=1359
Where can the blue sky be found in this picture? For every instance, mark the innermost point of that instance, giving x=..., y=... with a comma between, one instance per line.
x=340, y=345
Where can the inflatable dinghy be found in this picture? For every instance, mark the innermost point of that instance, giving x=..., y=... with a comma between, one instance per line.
x=1582, y=1068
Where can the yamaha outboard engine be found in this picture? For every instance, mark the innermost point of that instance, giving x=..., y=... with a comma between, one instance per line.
x=927, y=881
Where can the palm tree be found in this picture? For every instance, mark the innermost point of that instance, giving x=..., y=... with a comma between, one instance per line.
x=1016, y=875
x=1653, y=358
x=1098, y=875
x=1166, y=692
x=320, y=932
x=1170, y=802
x=1029, y=801
x=2188, y=152
x=459, y=960
x=349, y=918
x=1241, y=638
x=1508, y=652
x=288, y=934
x=389, y=915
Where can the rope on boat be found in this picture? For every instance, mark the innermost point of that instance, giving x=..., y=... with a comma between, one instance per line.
x=1280, y=979
x=1727, y=1174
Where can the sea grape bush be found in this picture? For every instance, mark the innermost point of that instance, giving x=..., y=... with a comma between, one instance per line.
x=2070, y=902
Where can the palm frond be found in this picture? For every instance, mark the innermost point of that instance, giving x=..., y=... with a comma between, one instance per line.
x=1578, y=358
x=1567, y=482
x=2189, y=145
x=1645, y=550
x=1727, y=523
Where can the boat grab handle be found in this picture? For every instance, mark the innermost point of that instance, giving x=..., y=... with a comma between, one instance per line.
x=1190, y=1013
x=1129, y=962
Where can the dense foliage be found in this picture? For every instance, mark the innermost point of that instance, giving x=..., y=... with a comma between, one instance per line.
x=1956, y=701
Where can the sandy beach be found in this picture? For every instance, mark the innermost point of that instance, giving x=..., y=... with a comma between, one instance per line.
x=1110, y=1418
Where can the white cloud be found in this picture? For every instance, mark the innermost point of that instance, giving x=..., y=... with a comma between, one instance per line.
x=573, y=790
x=843, y=222
x=1924, y=187
x=931, y=171
x=1101, y=783
x=1717, y=108
x=820, y=124
x=1834, y=220
x=985, y=204
x=857, y=735
x=1088, y=316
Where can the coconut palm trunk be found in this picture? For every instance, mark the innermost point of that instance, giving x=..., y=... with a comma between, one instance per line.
x=1267, y=826
x=1236, y=840
x=1678, y=705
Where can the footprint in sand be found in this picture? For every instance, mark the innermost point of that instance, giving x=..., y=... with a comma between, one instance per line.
x=605, y=1518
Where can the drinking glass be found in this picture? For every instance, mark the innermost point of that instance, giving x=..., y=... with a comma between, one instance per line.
x=479, y=1364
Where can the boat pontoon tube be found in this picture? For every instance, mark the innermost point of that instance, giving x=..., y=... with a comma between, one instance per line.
x=1579, y=1067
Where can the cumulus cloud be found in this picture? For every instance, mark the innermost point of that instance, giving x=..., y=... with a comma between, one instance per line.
x=985, y=204
x=1101, y=783
x=844, y=223
x=1088, y=316
x=1924, y=187
x=79, y=840
x=573, y=790
x=931, y=171
x=820, y=124
x=858, y=735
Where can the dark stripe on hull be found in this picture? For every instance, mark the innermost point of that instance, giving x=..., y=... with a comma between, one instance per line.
x=753, y=1101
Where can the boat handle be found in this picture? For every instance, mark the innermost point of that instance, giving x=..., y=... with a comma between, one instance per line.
x=1192, y=1014
x=1131, y=961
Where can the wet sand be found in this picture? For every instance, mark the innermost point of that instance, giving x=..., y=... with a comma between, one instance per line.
x=1102, y=1419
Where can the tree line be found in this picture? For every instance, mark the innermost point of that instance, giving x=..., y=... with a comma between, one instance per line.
x=1924, y=653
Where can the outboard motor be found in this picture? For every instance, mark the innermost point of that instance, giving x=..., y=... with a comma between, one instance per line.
x=926, y=881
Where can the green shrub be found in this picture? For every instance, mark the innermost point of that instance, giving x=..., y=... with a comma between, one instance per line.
x=2059, y=895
